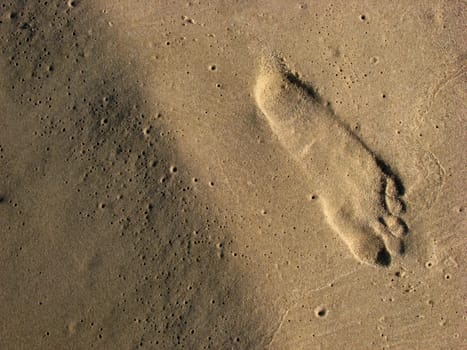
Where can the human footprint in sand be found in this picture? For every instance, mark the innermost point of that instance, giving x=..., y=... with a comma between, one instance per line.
x=359, y=196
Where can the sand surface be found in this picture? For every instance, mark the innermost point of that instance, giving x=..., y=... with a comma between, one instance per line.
x=232, y=174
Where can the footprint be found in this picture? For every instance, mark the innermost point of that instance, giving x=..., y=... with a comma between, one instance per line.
x=359, y=195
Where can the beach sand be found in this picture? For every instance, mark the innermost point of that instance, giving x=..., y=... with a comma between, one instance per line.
x=232, y=174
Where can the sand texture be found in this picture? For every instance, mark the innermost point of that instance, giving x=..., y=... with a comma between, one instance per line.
x=273, y=174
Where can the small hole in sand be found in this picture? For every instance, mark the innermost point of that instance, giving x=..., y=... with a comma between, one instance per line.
x=213, y=67
x=321, y=312
x=363, y=17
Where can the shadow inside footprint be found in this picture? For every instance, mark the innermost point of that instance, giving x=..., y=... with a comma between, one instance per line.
x=294, y=79
x=386, y=169
x=383, y=258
